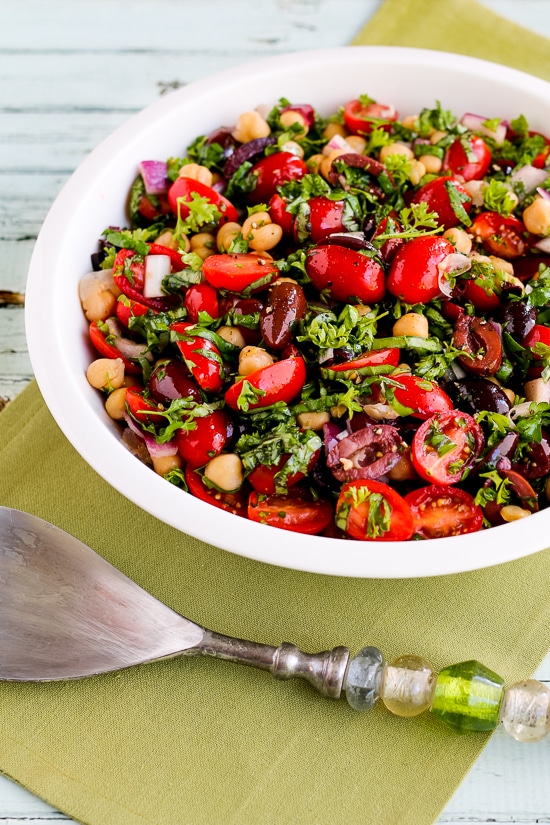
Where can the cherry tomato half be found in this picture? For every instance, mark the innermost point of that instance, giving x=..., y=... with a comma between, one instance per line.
x=271, y=172
x=231, y=502
x=372, y=511
x=127, y=309
x=435, y=194
x=445, y=446
x=201, y=298
x=207, y=440
x=296, y=511
x=362, y=118
x=138, y=406
x=107, y=350
x=281, y=381
x=458, y=159
x=424, y=398
x=279, y=215
x=367, y=364
x=414, y=273
x=262, y=477
x=440, y=511
x=182, y=191
x=201, y=356
x=346, y=274
x=240, y=272
x=539, y=334
x=325, y=217
x=500, y=236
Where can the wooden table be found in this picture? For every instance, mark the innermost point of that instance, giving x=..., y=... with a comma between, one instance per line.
x=70, y=73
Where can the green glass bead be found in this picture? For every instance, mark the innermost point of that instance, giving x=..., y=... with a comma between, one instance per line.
x=468, y=697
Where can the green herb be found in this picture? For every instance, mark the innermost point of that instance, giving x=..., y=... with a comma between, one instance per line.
x=498, y=198
x=440, y=442
x=268, y=448
x=242, y=181
x=378, y=520
x=442, y=120
x=201, y=213
x=417, y=220
x=457, y=199
x=499, y=491
x=180, y=415
x=349, y=329
x=248, y=396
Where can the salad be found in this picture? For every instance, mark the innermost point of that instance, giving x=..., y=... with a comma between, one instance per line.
x=337, y=326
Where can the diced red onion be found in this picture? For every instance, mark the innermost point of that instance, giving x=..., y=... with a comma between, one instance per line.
x=154, y=449
x=337, y=142
x=132, y=349
x=330, y=433
x=530, y=177
x=155, y=178
x=157, y=267
x=544, y=193
x=134, y=426
x=326, y=355
x=475, y=124
x=543, y=245
x=304, y=109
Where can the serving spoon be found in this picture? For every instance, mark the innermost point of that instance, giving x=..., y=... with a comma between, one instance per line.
x=66, y=613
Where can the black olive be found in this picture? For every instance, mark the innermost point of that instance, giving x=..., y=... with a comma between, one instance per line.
x=518, y=319
x=473, y=395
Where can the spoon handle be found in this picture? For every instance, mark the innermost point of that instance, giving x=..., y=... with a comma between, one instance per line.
x=325, y=670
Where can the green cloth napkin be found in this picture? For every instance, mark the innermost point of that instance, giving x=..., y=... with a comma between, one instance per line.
x=187, y=742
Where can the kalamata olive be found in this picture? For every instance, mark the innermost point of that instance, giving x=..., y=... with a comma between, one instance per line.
x=368, y=453
x=499, y=457
x=523, y=496
x=357, y=161
x=246, y=151
x=480, y=341
x=518, y=319
x=340, y=356
x=224, y=138
x=170, y=380
x=473, y=395
x=286, y=304
x=535, y=460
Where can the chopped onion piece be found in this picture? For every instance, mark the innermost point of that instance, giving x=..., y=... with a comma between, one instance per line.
x=544, y=193
x=454, y=264
x=157, y=267
x=154, y=174
x=543, y=245
x=475, y=124
x=337, y=142
x=530, y=177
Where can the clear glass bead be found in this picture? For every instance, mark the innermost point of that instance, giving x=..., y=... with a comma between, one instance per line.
x=408, y=686
x=526, y=711
x=468, y=696
x=363, y=678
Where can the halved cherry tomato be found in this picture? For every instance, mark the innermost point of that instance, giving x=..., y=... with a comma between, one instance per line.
x=346, y=274
x=240, y=272
x=361, y=118
x=539, y=334
x=127, y=309
x=207, y=440
x=201, y=298
x=458, y=162
x=500, y=236
x=107, y=350
x=372, y=511
x=325, y=217
x=281, y=381
x=279, y=215
x=138, y=406
x=414, y=273
x=129, y=276
x=439, y=511
x=151, y=209
x=169, y=380
x=262, y=477
x=445, y=446
x=131, y=266
x=484, y=300
x=424, y=398
x=271, y=172
x=201, y=356
x=296, y=511
x=366, y=364
x=231, y=502
x=435, y=194
x=182, y=191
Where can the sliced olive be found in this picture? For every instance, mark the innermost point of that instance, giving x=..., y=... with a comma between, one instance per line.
x=481, y=344
x=473, y=395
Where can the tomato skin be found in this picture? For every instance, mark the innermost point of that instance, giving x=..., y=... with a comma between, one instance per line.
x=414, y=273
x=423, y=399
x=389, y=356
x=109, y=350
x=262, y=477
x=234, y=503
x=138, y=406
x=440, y=511
x=482, y=301
x=201, y=298
x=126, y=311
x=239, y=271
x=401, y=521
x=281, y=381
x=539, y=334
x=294, y=511
x=456, y=159
x=500, y=236
x=279, y=215
x=463, y=431
x=434, y=194
x=325, y=217
x=137, y=267
x=358, y=117
x=197, y=447
x=347, y=274
x=271, y=172
x=207, y=372
x=186, y=187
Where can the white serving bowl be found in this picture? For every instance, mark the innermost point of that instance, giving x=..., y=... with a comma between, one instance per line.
x=95, y=196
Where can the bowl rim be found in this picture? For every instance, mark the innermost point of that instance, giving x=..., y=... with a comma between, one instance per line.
x=79, y=420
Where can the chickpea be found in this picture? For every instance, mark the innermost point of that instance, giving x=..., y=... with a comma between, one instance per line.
x=404, y=469
x=362, y=309
x=511, y=512
x=314, y=163
x=412, y=323
x=254, y=221
x=417, y=172
x=194, y=171
x=460, y=239
x=313, y=420
x=504, y=266
x=252, y=359
x=290, y=117
x=338, y=411
x=334, y=129
x=326, y=164
x=294, y=148
x=433, y=165
x=260, y=232
x=99, y=305
x=396, y=149
x=115, y=405
x=106, y=373
x=410, y=122
x=233, y=336
x=250, y=125
x=227, y=234
x=510, y=394
x=166, y=238
x=357, y=143
x=537, y=217
x=225, y=471
x=203, y=244
x=164, y=463
x=436, y=136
